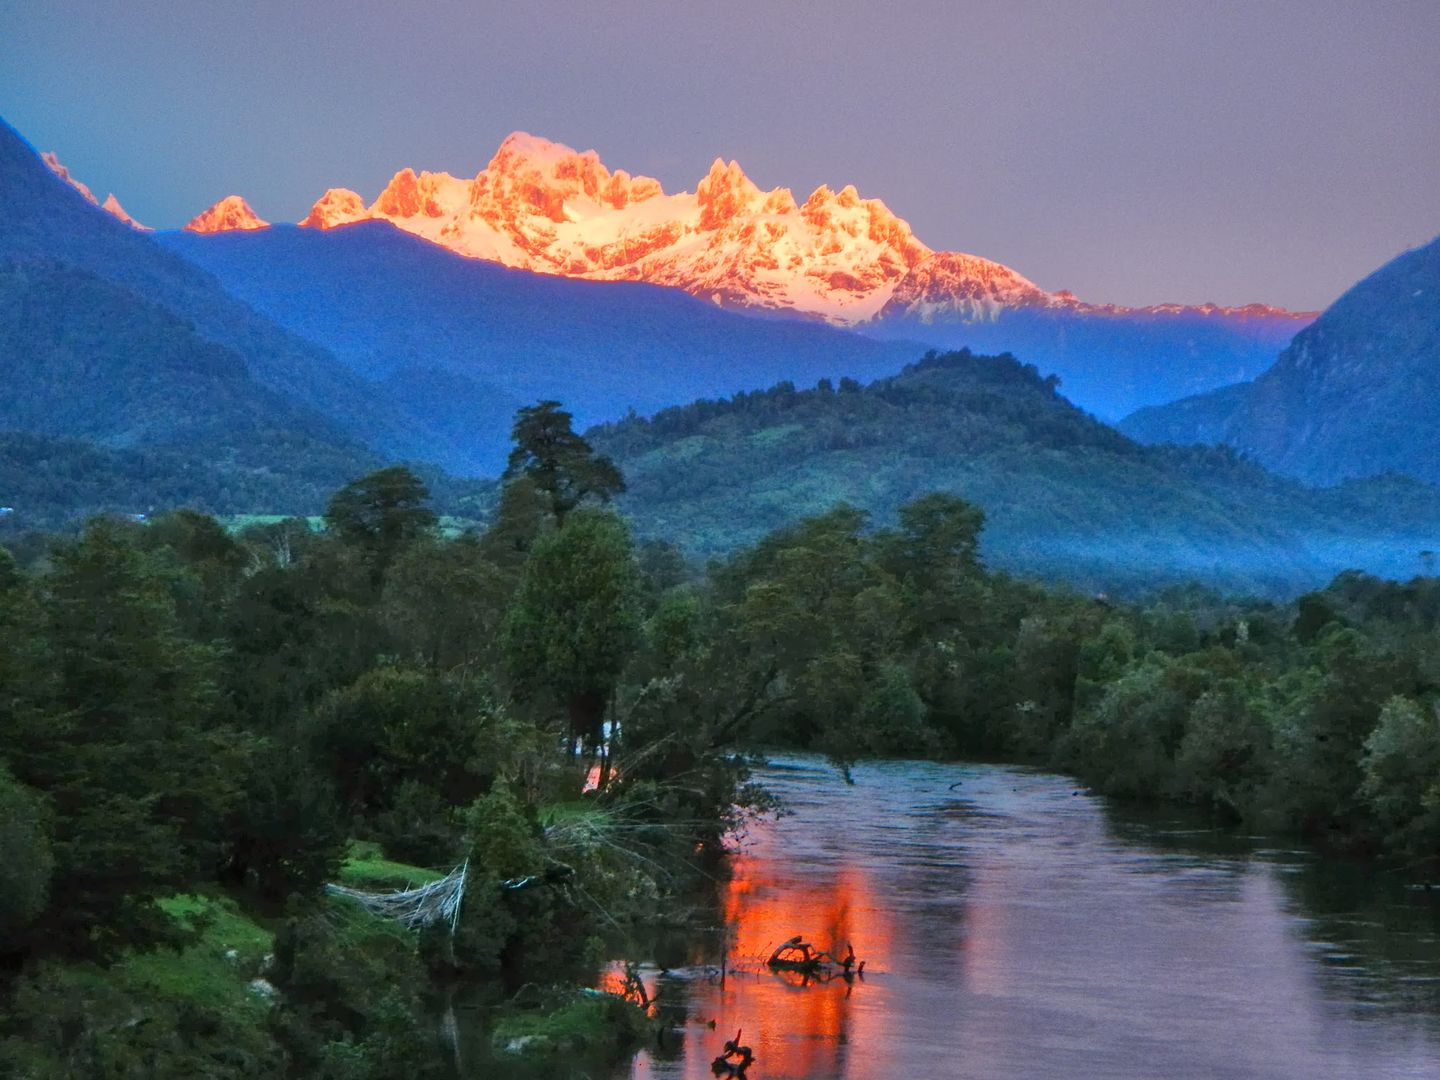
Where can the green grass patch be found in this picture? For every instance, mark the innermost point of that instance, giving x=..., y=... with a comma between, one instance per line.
x=575, y=810
x=171, y=1013
x=365, y=867
x=217, y=969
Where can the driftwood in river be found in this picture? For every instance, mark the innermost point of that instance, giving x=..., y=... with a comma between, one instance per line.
x=798, y=955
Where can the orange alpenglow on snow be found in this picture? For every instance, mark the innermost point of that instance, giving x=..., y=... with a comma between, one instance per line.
x=540, y=205
x=230, y=214
x=110, y=205
x=48, y=156
x=338, y=206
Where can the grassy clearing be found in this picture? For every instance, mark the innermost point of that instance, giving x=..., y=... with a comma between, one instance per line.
x=171, y=1013
x=206, y=972
x=236, y=522
x=450, y=526
x=365, y=867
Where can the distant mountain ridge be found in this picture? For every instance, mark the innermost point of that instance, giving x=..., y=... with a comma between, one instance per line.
x=47, y=218
x=1355, y=394
x=835, y=257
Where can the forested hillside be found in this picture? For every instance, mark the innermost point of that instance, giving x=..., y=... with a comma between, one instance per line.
x=1064, y=495
x=399, y=308
x=112, y=403
x=89, y=359
x=1113, y=363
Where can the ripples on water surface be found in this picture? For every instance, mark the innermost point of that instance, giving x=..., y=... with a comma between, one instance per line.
x=1013, y=928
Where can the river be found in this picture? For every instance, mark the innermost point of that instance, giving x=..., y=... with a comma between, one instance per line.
x=1014, y=927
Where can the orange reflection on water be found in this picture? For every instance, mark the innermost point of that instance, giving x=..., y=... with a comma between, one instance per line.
x=797, y=1026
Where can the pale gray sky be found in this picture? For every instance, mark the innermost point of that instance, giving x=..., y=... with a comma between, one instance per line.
x=1134, y=152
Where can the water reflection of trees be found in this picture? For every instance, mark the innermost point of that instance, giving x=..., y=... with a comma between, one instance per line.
x=1371, y=936
x=1374, y=941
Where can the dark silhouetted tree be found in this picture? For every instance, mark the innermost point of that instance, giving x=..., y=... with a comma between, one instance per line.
x=575, y=618
x=561, y=464
x=380, y=514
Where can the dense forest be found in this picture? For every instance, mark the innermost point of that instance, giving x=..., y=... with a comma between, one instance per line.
x=200, y=729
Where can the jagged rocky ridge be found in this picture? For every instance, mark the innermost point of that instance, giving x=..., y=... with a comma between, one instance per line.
x=540, y=205
x=833, y=256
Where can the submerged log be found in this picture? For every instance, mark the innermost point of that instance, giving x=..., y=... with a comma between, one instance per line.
x=799, y=955
x=795, y=955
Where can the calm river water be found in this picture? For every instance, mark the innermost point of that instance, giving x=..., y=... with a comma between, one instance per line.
x=1015, y=928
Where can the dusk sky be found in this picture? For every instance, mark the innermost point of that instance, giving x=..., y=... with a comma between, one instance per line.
x=1131, y=152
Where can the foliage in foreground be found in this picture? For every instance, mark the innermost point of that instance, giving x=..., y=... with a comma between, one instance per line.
x=198, y=730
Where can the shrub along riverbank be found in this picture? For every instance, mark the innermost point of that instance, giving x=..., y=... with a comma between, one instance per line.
x=200, y=728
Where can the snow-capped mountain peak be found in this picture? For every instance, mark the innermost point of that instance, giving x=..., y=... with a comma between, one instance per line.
x=338, y=206
x=724, y=194
x=228, y=215
x=544, y=206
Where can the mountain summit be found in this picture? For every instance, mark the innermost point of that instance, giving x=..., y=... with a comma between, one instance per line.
x=541, y=205
x=230, y=214
x=833, y=256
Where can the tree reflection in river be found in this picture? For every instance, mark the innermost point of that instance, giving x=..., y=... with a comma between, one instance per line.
x=1014, y=928
x=1369, y=930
